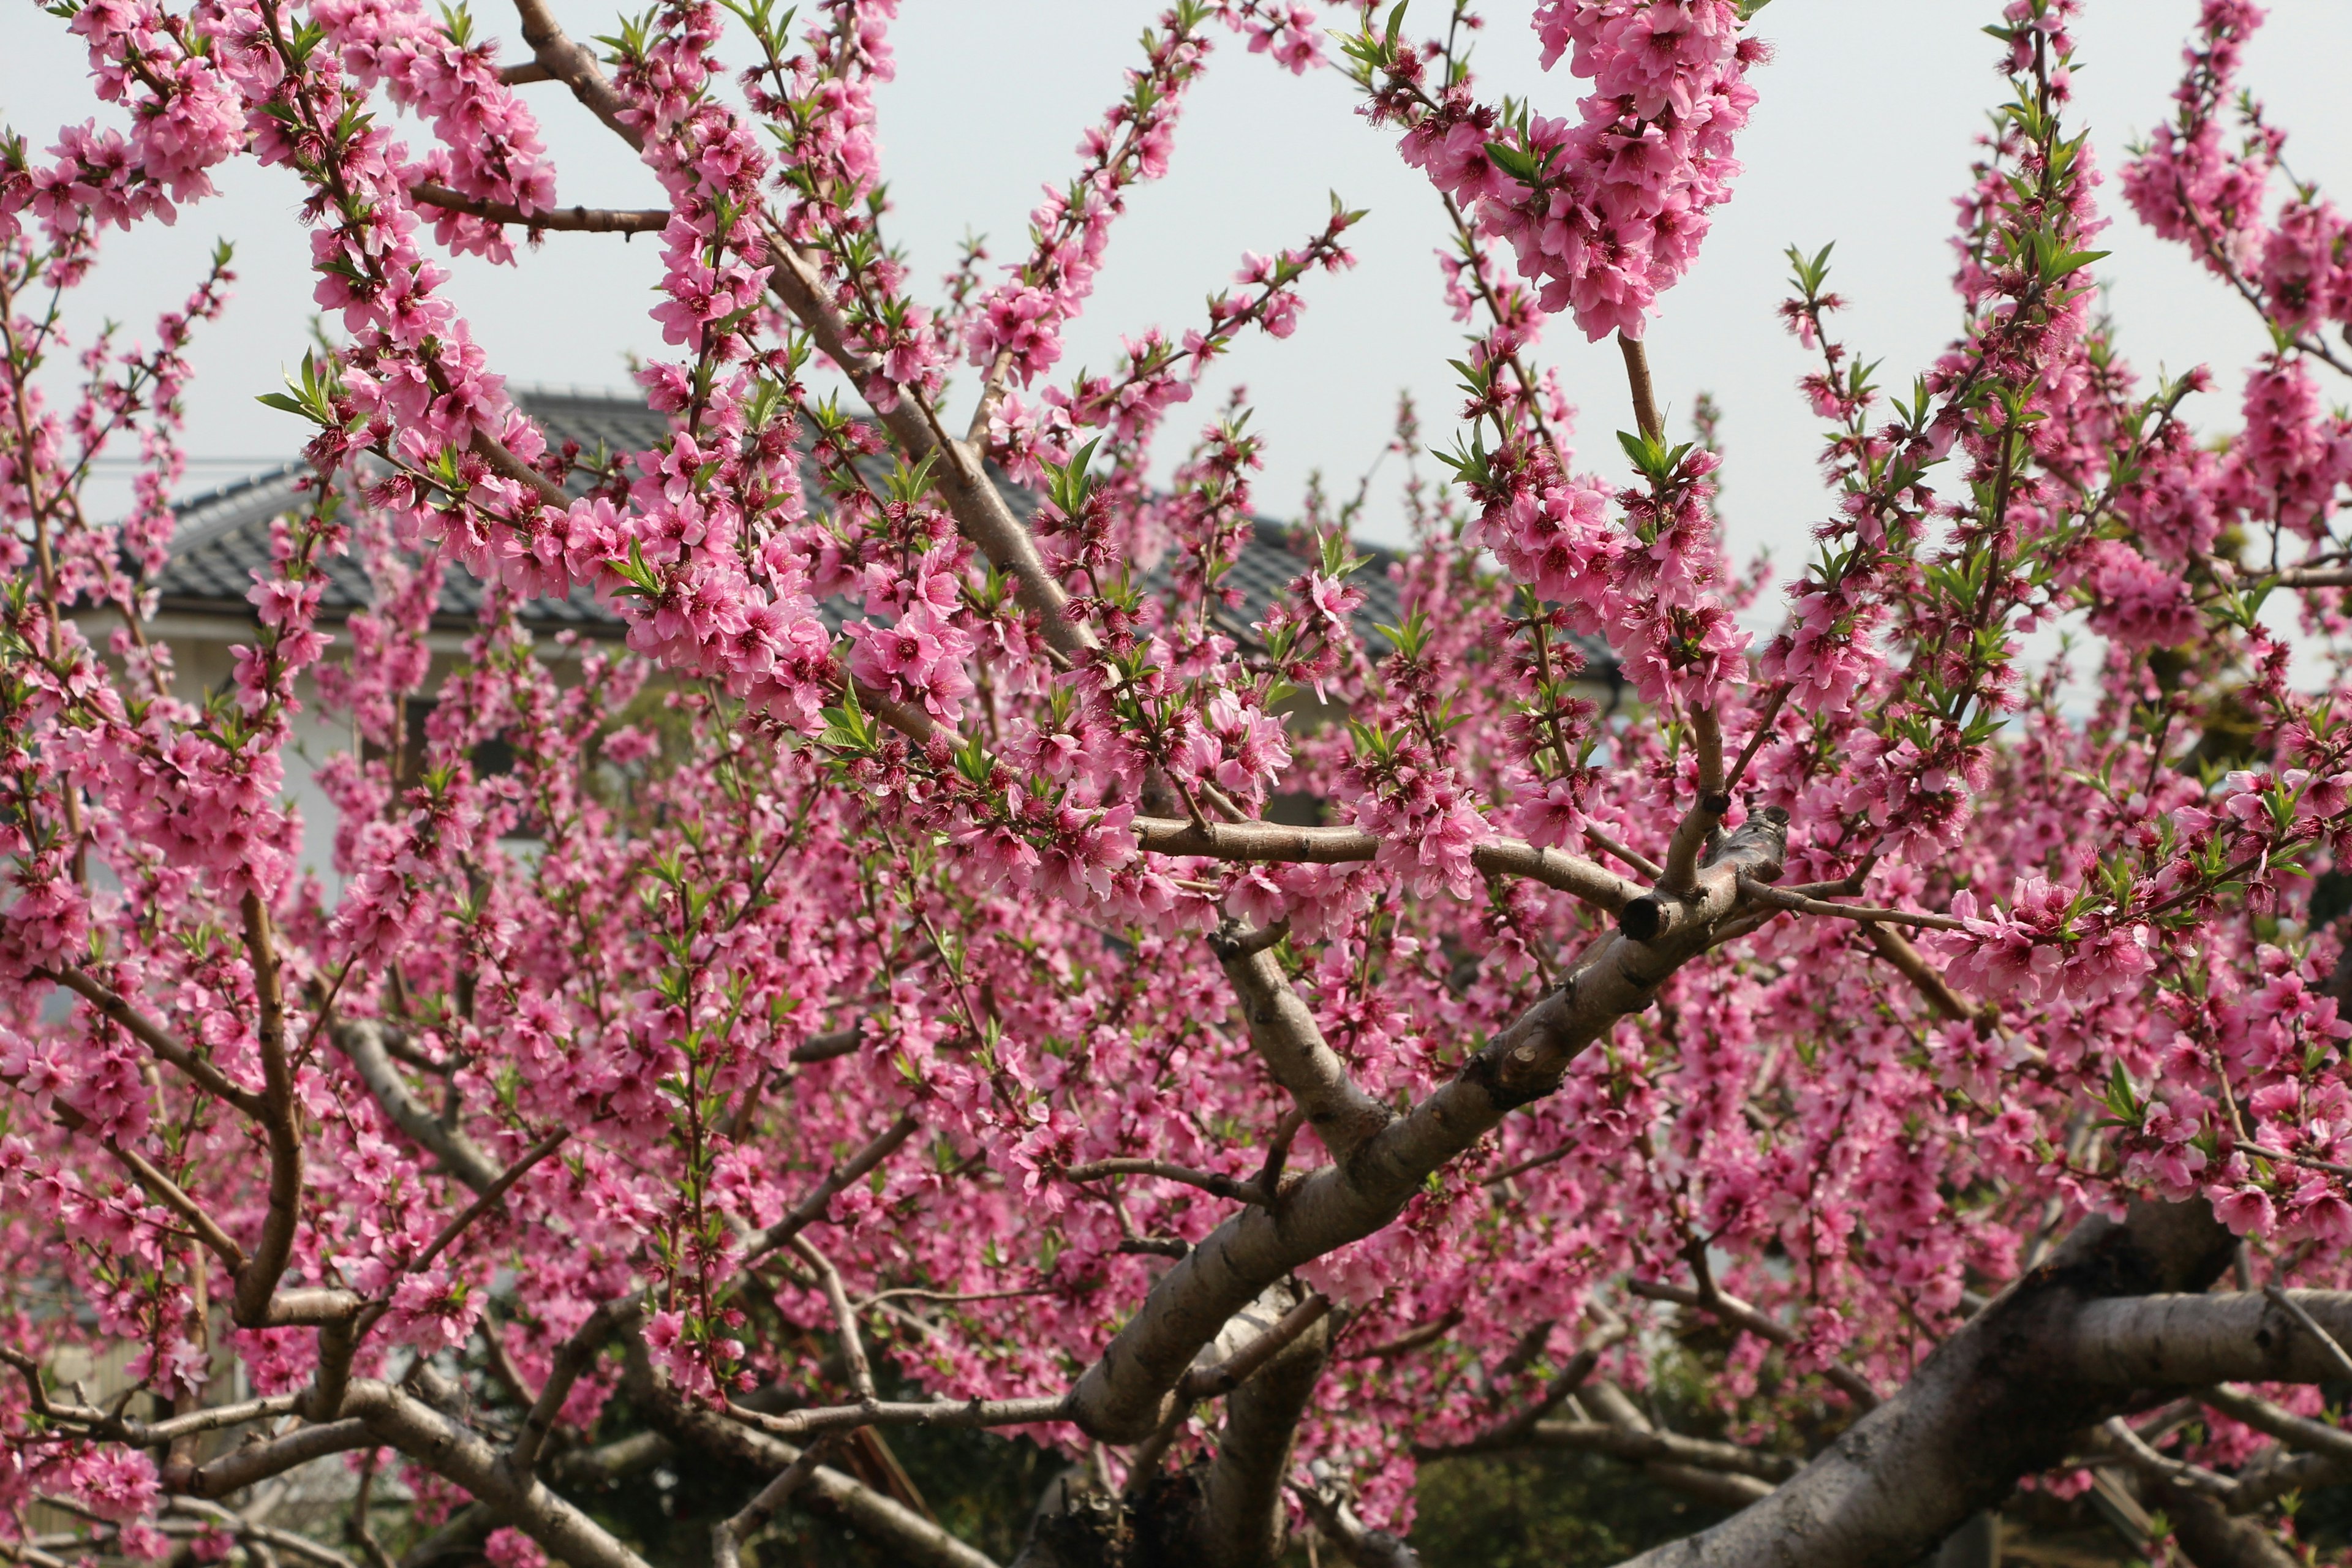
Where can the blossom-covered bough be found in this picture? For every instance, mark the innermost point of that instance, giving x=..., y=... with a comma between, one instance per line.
x=815, y=1033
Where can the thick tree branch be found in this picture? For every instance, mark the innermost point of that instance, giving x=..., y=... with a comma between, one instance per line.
x=242, y=1467
x=1288, y=1040
x=1241, y=1520
x=1125, y=1395
x=1280, y=843
x=2176, y=1341
x=2002, y=1399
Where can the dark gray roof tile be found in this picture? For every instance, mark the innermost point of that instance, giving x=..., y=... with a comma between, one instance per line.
x=223, y=538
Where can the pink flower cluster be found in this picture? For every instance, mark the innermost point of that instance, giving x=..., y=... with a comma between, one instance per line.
x=1608, y=211
x=488, y=146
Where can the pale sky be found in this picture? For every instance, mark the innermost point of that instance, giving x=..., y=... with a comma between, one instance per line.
x=1862, y=137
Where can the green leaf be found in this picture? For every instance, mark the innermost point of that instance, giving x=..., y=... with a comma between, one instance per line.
x=1516, y=163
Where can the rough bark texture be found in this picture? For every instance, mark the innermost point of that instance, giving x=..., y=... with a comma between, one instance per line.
x=2184, y=1342
x=1999, y=1399
x=1243, y=1521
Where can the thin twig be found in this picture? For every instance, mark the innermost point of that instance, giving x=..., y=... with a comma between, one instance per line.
x=1799, y=904
x=2310, y=1325
x=1210, y=1182
x=574, y=219
x=812, y=1208
x=941, y=1413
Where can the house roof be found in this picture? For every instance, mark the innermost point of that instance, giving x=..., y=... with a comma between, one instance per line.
x=223, y=538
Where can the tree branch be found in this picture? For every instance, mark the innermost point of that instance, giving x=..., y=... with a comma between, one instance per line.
x=812, y=1208
x=1127, y=1393
x=1241, y=1520
x=574, y=1357
x=902, y=1533
x=456, y=1453
x=844, y=1319
x=2285, y=1301
x=1637, y=381
x=1358, y=1541
x=1288, y=1040
x=242, y=1467
x=1224, y=1376
x=1741, y=1315
x=2295, y=1431
x=1799, y=904
x=1209, y=1182
x=165, y=1191
x=1721, y=1487
x=573, y=65
x=245, y=1529
x=488, y=1197
x=1640, y=1448
x=2164, y=1341
x=972, y=499
x=2000, y=1398
x=1924, y=977
x=942, y=1413
x=727, y=1535
x=1280, y=843
x=362, y=1041
x=575, y=219
x=1706, y=813
x=163, y=1042
x=824, y=1048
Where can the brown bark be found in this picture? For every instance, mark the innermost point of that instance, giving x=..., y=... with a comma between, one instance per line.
x=2001, y=1399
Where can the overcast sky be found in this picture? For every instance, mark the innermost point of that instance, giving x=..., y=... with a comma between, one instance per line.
x=1862, y=137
